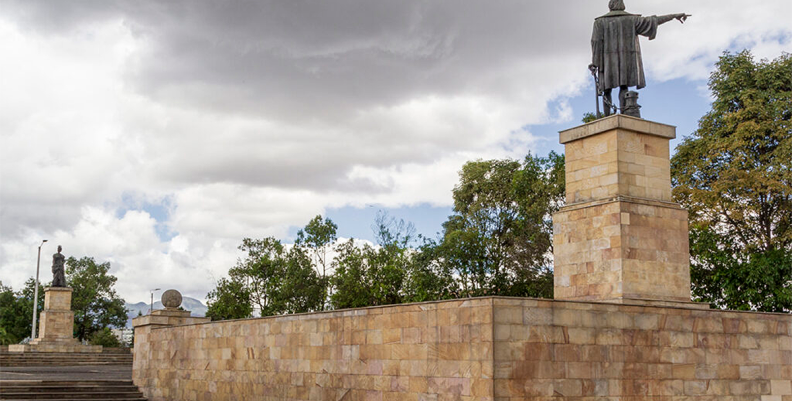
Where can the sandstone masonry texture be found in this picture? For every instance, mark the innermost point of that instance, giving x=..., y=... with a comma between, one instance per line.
x=485, y=349
x=620, y=237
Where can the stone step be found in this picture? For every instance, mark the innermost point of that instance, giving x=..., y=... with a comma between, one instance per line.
x=63, y=363
x=52, y=359
x=76, y=362
x=70, y=390
x=60, y=356
x=112, y=352
x=121, y=350
x=66, y=389
x=70, y=383
x=70, y=398
x=89, y=395
x=56, y=357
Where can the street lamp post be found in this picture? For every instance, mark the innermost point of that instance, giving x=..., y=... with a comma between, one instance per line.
x=152, y=300
x=35, y=293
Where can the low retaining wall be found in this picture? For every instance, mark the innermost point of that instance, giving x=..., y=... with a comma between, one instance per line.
x=478, y=349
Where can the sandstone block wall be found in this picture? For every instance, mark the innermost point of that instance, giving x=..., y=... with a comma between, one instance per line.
x=593, y=351
x=486, y=349
x=431, y=351
x=56, y=321
x=619, y=162
x=622, y=249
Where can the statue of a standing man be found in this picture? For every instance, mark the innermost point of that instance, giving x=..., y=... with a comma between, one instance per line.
x=58, y=273
x=616, y=51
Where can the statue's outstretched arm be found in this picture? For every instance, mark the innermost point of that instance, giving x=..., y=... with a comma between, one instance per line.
x=665, y=18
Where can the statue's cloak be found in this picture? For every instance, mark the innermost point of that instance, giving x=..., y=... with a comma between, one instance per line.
x=616, y=50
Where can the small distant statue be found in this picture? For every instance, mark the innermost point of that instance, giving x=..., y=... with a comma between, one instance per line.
x=58, y=273
x=616, y=51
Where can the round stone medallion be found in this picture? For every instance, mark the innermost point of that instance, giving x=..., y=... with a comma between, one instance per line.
x=171, y=299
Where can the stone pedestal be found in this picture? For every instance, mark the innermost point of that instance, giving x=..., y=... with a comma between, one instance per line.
x=56, y=322
x=56, y=326
x=143, y=326
x=166, y=317
x=621, y=237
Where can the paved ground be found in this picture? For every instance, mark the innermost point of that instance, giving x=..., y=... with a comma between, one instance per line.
x=67, y=373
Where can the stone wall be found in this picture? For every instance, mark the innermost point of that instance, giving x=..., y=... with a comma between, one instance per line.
x=429, y=351
x=587, y=351
x=496, y=349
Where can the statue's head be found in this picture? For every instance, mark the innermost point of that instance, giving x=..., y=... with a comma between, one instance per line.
x=59, y=248
x=616, y=5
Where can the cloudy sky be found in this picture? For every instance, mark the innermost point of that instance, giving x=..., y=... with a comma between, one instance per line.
x=157, y=134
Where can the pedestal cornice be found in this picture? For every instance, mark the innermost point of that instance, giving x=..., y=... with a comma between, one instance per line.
x=618, y=121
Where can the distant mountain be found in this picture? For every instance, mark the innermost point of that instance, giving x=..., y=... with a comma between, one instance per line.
x=142, y=308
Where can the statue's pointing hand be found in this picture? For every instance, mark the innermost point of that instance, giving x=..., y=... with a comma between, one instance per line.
x=682, y=17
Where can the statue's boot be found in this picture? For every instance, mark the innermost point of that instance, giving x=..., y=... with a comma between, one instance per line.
x=608, y=101
x=622, y=96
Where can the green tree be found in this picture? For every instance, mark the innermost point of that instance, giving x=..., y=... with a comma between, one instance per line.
x=351, y=282
x=302, y=289
x=428, y=278
x=391, y=272
x=500, y=237
x=5, y=338
x=94, y=300
x=270, y=278
x=105, y=338
x=16, y=311
x=315, y=241
x=12, y=322
x=734, y=174
x=230, y=299
x=262, y=273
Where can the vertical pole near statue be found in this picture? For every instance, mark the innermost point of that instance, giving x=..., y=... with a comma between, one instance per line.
x=595, y=73
x=35, y=293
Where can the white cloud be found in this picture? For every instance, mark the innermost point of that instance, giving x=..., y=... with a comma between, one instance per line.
x=251, y=117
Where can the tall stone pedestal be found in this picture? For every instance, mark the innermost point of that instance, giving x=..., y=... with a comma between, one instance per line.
x=56, y=326
x=144, y=325
x=621, y=237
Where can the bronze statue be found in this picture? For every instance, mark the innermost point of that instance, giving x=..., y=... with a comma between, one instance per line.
x=616, y=51
x=58, y=273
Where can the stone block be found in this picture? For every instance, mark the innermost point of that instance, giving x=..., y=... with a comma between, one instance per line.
x=644, y=256
x=618, y=156
x=620, y=239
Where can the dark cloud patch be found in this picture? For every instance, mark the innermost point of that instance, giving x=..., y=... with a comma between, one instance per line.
x=286, y=59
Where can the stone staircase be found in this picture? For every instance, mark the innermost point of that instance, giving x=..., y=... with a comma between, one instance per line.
x=98, y=390
x=111, y=357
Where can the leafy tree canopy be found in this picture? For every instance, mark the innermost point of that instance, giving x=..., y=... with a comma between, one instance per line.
x=500, y=237
x=400, y=268
x=95, y=303
x=498, y=242
x=105, y=338
x=16, y=311
x=734, y=175
x=316, y=241
x=270, y=278
x=229, y=300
